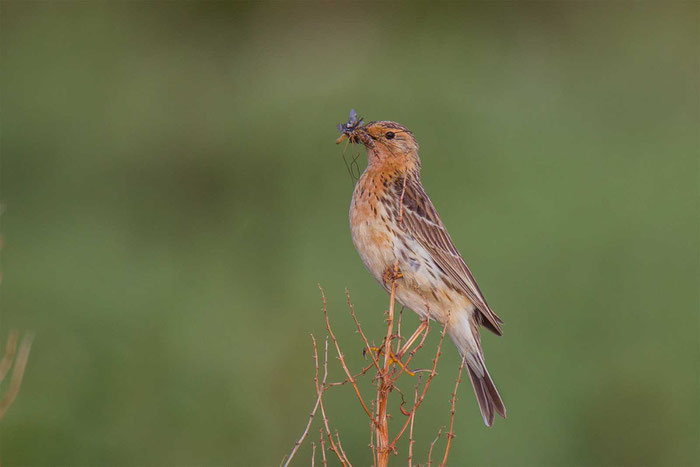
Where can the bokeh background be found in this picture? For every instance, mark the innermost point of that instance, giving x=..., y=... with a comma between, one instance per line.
x=173, y=195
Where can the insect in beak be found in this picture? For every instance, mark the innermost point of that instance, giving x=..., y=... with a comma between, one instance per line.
x=349, y=129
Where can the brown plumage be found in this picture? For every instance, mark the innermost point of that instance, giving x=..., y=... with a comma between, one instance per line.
x=393, y=220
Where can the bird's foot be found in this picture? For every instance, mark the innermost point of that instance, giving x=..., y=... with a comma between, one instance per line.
x=392, y=274
x=392, y=357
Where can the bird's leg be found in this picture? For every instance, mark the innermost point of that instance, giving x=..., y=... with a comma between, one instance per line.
x=416, y=334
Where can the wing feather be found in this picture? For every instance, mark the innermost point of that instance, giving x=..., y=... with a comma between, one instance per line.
x=421, y=220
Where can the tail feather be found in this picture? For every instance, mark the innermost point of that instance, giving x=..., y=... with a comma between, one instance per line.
x=490, y=401
x=465, y=334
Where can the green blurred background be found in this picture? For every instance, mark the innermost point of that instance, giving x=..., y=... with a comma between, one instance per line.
x=172, y=197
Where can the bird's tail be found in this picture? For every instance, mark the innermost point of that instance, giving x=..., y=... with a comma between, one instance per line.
x=465, y=335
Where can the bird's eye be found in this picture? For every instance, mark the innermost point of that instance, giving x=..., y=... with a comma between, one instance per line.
x=390, y=135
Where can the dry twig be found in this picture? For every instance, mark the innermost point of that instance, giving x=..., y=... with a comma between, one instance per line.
x=340, y=356
x=340, y=446
x=359, y=329
x=411, y=440
x=388, y=373
x=318, y=402
x=320, y=389
x=323, y=450
x=430, y=451
x=433, y=372
x=10, y=351
x=413, y=352
x=450, y=434
x=18, y=370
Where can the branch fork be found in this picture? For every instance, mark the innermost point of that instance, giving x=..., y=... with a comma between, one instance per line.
x=387, y=372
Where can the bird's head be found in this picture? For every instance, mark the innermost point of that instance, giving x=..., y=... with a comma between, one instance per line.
x=385, y=141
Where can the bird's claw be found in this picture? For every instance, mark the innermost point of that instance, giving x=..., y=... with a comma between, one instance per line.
x=392, y=275
x=392, y=356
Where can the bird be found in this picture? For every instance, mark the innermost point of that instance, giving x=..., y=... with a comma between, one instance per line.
x=402, y=240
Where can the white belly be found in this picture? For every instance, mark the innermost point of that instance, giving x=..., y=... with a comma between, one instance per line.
x=422, y=287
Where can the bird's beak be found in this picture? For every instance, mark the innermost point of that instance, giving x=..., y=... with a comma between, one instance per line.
x=358, y=135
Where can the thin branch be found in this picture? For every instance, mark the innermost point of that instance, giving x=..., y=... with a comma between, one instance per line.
x=433, y=372
x=340, y=446
x=331, y=445
x=340, y=356
x=390, y=321
x=17, y=373
x=412, y=353
x=313, y=412
x=411, y=440
x=387, y=374
x=323, y=449
x=320, y=389
x=451, y=434
x=357, y=375
x=10, y=350
x=371, y=441
x=399, y=337
x=385, y=384
x=359, y=329
x=430, y=451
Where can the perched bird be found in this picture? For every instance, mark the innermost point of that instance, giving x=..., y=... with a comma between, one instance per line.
x=394, y=223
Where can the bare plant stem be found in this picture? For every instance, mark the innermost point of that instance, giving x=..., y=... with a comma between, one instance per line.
x=411, y=440
x=388, y=372
x=433, y=372
x=323, y=450
x=17, y=372
x=10, y=351
x=347, y=380
x=413, y=352
x=450, y=434
x=320, y=389
x=359, y=329
x=430, y=451
x=340, y=446
x=399, y=339
x=341, y=358
x=385, y=385
x=318, y=403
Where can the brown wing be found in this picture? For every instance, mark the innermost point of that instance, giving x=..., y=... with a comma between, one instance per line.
x=421, y=220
